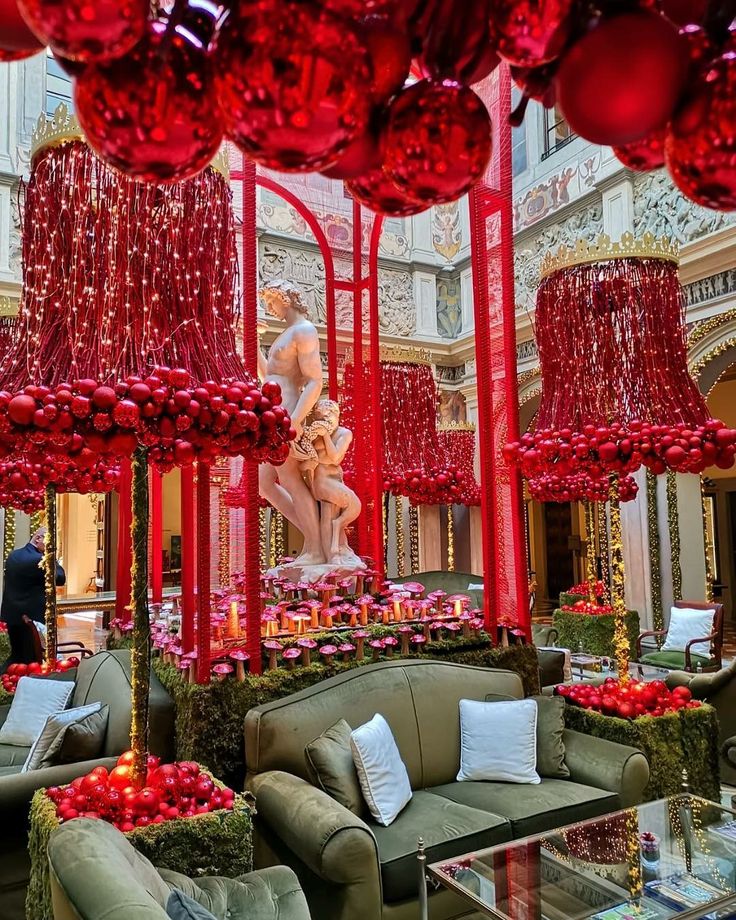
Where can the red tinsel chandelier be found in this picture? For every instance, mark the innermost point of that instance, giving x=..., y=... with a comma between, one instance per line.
x=128, y=322
x=322, y=85
x=616, y=392
x=457, y=440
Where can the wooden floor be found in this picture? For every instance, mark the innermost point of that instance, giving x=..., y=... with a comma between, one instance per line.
x=80, y=627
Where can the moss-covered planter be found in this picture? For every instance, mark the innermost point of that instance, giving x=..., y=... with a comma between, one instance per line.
x=209, y=717
x=591, y=633
x=567, y=599
x=686, y=740
x=218, y=843
x=4, y=646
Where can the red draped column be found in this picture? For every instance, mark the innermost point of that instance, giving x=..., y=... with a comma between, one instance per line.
x=187, y=558
x=125, y=551
x=157, y=510
x=204, y=579
x=252, y=558
x=378, y=550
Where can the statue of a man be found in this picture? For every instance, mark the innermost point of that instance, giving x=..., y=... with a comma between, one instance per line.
x=294, y=363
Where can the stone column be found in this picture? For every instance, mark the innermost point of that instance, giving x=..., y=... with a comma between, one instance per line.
x=430, y=538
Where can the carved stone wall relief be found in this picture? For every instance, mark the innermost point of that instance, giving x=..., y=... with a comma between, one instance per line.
x=663, y=210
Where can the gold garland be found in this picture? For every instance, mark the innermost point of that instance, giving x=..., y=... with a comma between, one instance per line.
x=400, y=549
x=263, y=537
x=706, y=546
x=450, y=539
x=272, y=540
x=699, y=366
x=591, y=573
x=621, y=646
x=223, y=556
x=140, y=655
x=633, y=854
x=49, y=573
x=414, y=539
x=655, y=559
x=673, y=524
x=8, y=533
x=280, y=539
x=38, y=519
x=384, y=517
x=603, y=547
x=706, y=326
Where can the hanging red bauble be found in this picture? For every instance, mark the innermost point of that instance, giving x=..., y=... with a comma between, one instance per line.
x=684, y=12
x=622, y=81
x=361, y=157
x=389, y=50
x=152, y=114
x=643, y=155
x=16, y=39
x=458, y=43
x=437, y=142
x=87, y=31
x=294, y=84
x=701, y=141
x=529, y=33
x=378, y=193
x=537, y=83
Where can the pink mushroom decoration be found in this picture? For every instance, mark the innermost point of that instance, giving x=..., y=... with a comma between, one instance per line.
x=418, y=640
x=239, y=656
x=406, y=633
x=222, y=670
x=476, y=624
x=377, y=646
x=306, y=645
x=413, y=587
x=328, y=652
x=360, y=635
x=346, y=650
x=390, y=643
x=290, y=656
x=453, y=628
x=183, y=667
x=273, y=647
x=191, y=660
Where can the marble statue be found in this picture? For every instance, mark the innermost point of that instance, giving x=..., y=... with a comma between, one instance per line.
x=308, y=488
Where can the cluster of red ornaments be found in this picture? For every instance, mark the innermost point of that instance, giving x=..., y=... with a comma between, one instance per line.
x=582, y=589
x=433, y=486
x=23, y=480
x=588, y=609
x=15, y=671
x=173, y=790
x=629, y=701
x=620, y=449
x=580, y=486
x=166, y=411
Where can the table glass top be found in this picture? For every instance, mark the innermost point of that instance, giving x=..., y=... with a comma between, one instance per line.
x=666, y=859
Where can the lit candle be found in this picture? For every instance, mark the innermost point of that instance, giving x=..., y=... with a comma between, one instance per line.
x=397, y=609
x=386, y=615
x=364, y=602
x=271, y=628
x=233, y=625
x=314, y=617
x=327, y=620
x=458, y=607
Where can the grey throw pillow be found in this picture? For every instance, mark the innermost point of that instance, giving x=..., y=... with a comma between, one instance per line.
x=332, y=768
x=79, y=741
x=550, y=746
x=181, y=907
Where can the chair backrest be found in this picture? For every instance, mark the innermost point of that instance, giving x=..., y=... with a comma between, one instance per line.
x=717, y=617
x=105, y=677
x=419, y=700
x=95, y=872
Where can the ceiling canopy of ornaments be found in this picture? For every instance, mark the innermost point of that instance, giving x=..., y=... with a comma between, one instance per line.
x=127, y=330
x=324, y=85
x=616, y=391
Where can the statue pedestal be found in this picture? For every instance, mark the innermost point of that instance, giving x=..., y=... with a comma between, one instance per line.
x=313, y=574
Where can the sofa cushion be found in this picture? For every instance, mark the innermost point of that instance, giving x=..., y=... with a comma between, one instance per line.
x=181, y=907
x=381, y=771
x=330, y=762
x=532, y=809
x=498, y=741
x=10, y=771
x=550, y=728
x=13, y=755
x=674, y=660
x=448, y=828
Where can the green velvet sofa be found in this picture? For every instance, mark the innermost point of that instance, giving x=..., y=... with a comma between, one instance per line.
x=104, y=677
x=96, y=873
x=350, y=868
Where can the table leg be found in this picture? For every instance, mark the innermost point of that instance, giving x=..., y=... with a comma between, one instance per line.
x=422, y=871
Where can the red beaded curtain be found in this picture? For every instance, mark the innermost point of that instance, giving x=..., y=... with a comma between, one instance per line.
x=504, y=552
x=458, y=445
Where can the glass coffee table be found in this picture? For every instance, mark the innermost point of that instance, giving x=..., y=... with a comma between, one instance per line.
x=674, y=858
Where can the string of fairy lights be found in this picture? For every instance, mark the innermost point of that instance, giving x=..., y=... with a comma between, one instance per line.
x=413, y=539
x=673, y=526
x=8, y=533
x=400, y=548
x=654, y=551
x=707, y=546
x=450, y=539
x=603, y=546
x=621, y=645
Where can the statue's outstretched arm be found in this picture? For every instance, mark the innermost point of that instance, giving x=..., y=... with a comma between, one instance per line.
x=310, y=367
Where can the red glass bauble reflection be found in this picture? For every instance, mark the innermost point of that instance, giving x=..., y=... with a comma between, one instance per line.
x=361, y=157
x=294, y=84
x=16, y=39
x=529, y=33
x=458, y=43
x=701, y=142
x=684, y=12
x=379, y=194
x=153, y=113
x=437, y=143
x=87, y=31
x=622, y=80
x=389, y=50
x=643, y=155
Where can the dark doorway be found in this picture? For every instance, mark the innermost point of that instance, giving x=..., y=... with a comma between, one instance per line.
x=558, y=529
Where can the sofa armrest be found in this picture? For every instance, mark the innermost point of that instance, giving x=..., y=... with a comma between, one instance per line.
x=4, y=710
x=330, y=840
x=17, y=789
x=606, y=765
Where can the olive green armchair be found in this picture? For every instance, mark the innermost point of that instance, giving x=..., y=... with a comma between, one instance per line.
x=96, y=873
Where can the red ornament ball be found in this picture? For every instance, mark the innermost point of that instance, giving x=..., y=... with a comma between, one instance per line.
x=389, y=50
x=152, y=114
x=622, y=81
x=16, y=39
x=529, y=33
x=437, y=143
x=294, y=83
x=700, y=148
x=378, y=193
x=458, y=43
x=360, y=158
x=643, y=155
x=84, y=30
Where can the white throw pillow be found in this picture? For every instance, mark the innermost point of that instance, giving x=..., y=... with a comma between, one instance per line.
x=57, y=722
x=383, y=779
x=34, y=701
x=498, y=741
x=480, y=587
x=686, y=624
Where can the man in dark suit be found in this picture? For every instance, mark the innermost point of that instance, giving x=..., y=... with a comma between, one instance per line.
x=24, y=598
